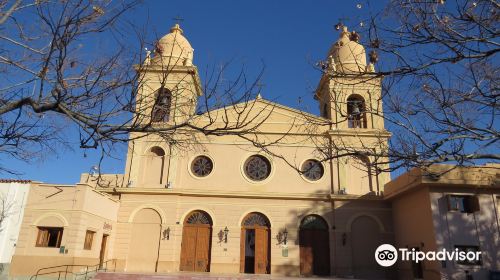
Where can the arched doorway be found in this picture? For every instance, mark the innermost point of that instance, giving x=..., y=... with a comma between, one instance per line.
x=196, y=242
x=314, y=246
x=145, y=241
x=365, y=238
x=255, y=244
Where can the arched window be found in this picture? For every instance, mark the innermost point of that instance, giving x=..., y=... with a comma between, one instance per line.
x=161, y=108
x=356, y=111
x=256, y=219
x=154, y=165
x=313, y=222
x=198, y=217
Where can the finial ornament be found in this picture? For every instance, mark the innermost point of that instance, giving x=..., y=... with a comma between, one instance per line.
x=158, y=48
x=147, y=61
x=176, y=28
x=373, y=57
x=344, y=30
x=354, y=36
x=331, y=63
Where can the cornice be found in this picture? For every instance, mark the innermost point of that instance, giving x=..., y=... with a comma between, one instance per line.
x=243, y=194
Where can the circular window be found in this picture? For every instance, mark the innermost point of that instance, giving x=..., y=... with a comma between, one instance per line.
x=312, y=170
x=257, y=168
x=202, y=166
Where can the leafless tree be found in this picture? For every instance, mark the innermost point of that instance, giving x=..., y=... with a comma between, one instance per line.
x=68, y=68
x=5, y=210
x=440, y=69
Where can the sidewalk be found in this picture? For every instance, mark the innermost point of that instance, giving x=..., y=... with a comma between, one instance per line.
x=199, y=276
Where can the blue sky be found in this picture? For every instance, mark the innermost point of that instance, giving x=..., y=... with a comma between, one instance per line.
x=288, y=37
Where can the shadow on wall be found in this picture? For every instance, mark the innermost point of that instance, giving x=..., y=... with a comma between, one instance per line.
x=355, y=229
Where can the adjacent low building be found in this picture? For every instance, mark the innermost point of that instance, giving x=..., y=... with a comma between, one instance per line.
x=447, y=207
x=64, y=225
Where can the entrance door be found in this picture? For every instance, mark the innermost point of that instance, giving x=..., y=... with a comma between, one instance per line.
x=102, y=253
x=255, y=244
x=196, y=242
x=261, y=250
x=314, y=246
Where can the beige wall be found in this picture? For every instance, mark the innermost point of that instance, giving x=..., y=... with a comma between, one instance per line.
x=229, y=155
x=76, y=209
x=230, y=211
x=413, y=227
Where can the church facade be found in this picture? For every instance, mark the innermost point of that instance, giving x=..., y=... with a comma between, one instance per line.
x=218, y=203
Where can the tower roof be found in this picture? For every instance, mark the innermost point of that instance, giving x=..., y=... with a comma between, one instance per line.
x=347, y=55
x=174, y=48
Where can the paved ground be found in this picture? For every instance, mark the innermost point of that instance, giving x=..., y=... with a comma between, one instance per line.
x=197, y=276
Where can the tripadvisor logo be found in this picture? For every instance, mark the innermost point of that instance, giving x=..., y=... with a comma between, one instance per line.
x=387, y=255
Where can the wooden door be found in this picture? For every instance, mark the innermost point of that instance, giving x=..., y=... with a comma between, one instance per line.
x=242, y=250
x=314, y=252
x=261, y=250
x=202, y=249
x=306, y=253
x=321, y=251
x=195, y=249
x=188, y=248
x=102, y=253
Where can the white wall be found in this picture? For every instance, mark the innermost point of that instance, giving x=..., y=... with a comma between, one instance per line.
x=16, y=195
x=481, y=229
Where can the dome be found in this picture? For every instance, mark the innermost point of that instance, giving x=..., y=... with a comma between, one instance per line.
x=347, y=54
x=174, y=48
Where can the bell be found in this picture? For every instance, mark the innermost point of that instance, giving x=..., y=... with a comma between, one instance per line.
x=355, y=109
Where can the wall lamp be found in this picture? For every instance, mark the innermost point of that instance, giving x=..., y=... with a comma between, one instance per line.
x=223, y=235
x=282, y=237
x=166, y=233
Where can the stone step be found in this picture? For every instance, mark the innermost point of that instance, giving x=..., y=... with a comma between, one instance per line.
x=192, y=276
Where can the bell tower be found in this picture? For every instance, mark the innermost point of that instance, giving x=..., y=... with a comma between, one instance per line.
x=167, y=94
x=169, y=85
x=350, y=98
x=349, y=92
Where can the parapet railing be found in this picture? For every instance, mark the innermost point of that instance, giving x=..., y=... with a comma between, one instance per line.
x=67, y=271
